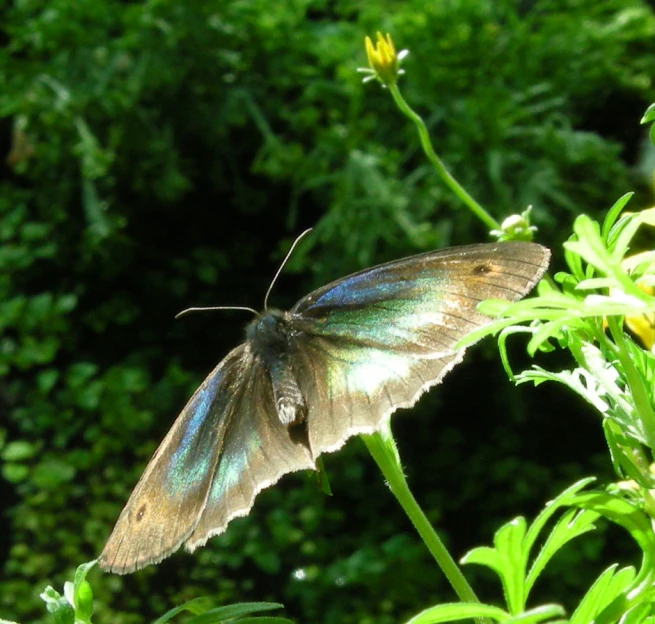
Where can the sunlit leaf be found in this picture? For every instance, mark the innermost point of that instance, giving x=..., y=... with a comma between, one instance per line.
x=458, y=611
x=221, y=614
x=508, y=560
x=606, y=587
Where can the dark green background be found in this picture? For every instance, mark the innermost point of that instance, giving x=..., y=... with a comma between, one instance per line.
x=164, y=154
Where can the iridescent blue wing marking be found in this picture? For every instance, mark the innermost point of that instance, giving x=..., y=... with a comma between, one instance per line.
x=166, y=504
x=257, y=451
x=372, y=342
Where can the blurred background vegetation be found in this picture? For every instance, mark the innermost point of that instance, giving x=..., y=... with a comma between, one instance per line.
x=159, y=154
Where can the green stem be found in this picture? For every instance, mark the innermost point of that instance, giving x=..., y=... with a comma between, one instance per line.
x=635, y=382
x=450, y=181
x=382, y=447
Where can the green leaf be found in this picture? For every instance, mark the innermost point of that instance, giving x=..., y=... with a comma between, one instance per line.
x=262, y=620
x=80, y=373
x=637, y=614
x=203, y=615
x=606, y=587
x=46, y=380
x=57, y=604
x=623, y=461
x=321, y=475
x=50, y=474
x=578, y=380
x=195, y=606
x=538, y=525
x=508, y=559
x=613, y=214
x=82, y=570
x=453, y=612
x=544, y=333
x=572, y=524
x=551, y=507
x=649, y=115
x=84, y=601
x=631, y=597
x=622, y=512
x=15, y=473
x=538, y=614
x=589, y=245
x=622, y=243
x=82, y=592
x=19, y=451
x=236, y=610
x=574, y=261
x=502, y=347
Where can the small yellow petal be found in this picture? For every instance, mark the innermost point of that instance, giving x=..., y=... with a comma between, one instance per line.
x=370, y=51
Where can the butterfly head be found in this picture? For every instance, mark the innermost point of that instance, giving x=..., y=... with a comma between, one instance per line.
x=268, y=331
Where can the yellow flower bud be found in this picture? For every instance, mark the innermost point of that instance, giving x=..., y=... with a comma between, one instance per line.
x=383, y=60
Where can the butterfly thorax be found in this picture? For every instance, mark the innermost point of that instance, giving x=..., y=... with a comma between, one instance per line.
x=271, y=339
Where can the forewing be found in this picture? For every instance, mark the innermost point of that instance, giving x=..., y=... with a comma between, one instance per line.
x=374, y=341
x=257, y=450
x=168, y=501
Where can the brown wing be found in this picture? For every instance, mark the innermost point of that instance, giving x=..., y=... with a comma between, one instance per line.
x=167, y=502
x=374, y=341
x=258, y=449
x=226, y=446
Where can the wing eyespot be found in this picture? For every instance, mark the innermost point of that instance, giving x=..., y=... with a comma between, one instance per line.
x=140, y=513
x=482, y=269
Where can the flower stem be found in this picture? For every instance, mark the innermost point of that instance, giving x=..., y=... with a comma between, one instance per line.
x=382, y=447
x=450, y=181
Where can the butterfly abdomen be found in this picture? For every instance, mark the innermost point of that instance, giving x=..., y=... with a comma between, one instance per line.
x=270, y=339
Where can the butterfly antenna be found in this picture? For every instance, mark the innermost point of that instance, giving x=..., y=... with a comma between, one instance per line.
x=179, y=314
x=298, y=239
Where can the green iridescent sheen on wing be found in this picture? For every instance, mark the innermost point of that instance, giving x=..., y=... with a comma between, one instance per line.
x=376, y=340
x=170, y=496
x=423, y=304
x=351, y=389
x=257, y=450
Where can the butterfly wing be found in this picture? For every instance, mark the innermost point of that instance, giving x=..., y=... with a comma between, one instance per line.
x=166, y=504
x=372, y=342
x=258, y=450
x=227, y=445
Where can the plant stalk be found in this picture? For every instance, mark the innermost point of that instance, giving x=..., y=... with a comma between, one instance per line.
x=450, y=181
x=382, y=447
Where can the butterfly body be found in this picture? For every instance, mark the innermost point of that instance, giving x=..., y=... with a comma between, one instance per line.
x=337, y=364
x=272, y=338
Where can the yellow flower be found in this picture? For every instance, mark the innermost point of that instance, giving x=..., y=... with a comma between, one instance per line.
x=642, y=325
x=383, y=60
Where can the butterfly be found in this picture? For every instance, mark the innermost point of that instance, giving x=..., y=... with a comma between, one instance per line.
x=304, y=381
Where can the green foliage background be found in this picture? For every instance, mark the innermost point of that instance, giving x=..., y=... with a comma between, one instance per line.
x=163, y=154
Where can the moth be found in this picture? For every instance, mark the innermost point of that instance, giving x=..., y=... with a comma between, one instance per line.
x=304, y=381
